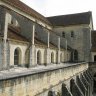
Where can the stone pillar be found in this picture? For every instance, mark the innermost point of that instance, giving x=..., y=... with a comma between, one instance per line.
x=91, y=78
x=48, y=39
x=48, y=49
x=8, y=54
x=48, y=56
x=75, y=90
x=58, y=57
x=86, y=83
x=32, y=48
x=90, y=84
x=65, y=91
x=4, y=51
x=81, y=85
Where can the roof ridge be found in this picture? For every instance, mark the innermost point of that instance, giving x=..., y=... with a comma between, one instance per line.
x=70, y=14
x=71, y=19
x=25, y=8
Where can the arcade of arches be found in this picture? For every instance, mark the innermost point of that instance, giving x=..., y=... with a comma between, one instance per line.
x=79, y=86
x=41, y=58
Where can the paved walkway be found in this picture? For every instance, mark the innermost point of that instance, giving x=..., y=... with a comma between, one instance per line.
x=20, y=71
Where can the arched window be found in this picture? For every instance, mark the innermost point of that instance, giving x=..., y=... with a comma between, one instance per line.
x=57, y=57
x=72, y=33
x=76, y=55
x=63, y=34
x=71, y=85
x=39, y=57
x=94, y=58
x=17, y=56
x=61, y=57
x=45, y=57
x=52, y=57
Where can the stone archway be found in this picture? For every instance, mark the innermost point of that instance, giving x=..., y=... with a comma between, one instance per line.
x=61, y=57
x=45, y=57
x=50, y=93
x=52, y=57
x=17, y=56
x=39, y=57
x=75, y=55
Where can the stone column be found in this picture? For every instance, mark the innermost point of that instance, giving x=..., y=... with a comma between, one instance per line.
x=75, y=90
x=48, y=39
x=81, y=85
x=86, y=83
x=32, y=48
x=4, y=51
x=90, y=84
x=48, y=49
x=48, y=55
x=58, y=57
x=8, y=54
x=91, y=78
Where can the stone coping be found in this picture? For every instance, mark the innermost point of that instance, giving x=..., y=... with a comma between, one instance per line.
x=21, y=72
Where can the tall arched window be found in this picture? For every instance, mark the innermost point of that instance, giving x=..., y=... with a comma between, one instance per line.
x=75, y=55
x=52, y=57
x=39, y=57
x=61, y=57
x=72, y=33
x=94, y=58
x=17, y=56
x=71, y=85
x=45, y=57
x=63, y=34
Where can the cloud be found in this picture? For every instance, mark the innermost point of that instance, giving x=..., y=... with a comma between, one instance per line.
x=61, y=7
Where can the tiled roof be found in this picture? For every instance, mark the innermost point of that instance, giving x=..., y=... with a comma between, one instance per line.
x=14, y=33
x=39, y=42
x=71, y=19
x=23, y=7
x=93, y=49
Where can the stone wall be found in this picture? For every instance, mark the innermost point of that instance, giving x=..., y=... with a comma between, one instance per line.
x=40, y=82
x=80, y=41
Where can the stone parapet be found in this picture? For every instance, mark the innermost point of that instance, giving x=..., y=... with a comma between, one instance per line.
x=38, y=80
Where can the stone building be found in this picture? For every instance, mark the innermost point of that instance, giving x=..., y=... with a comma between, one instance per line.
x=76, y=28
x=45, y=56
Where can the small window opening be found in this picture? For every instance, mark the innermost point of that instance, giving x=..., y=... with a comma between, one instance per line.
x=63, y=34
x=72, y=34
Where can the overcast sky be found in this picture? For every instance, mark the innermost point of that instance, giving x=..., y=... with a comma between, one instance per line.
x=62, y=7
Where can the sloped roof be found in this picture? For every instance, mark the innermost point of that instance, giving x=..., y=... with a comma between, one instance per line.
x=23, y=7
x=14, y=33
x=71, y=19
x=93, y=49
x=39, y=42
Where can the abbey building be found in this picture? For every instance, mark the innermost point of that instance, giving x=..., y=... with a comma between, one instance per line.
x=46, y=56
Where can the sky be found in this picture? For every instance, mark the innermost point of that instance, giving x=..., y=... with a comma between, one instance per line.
x=63, y=7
